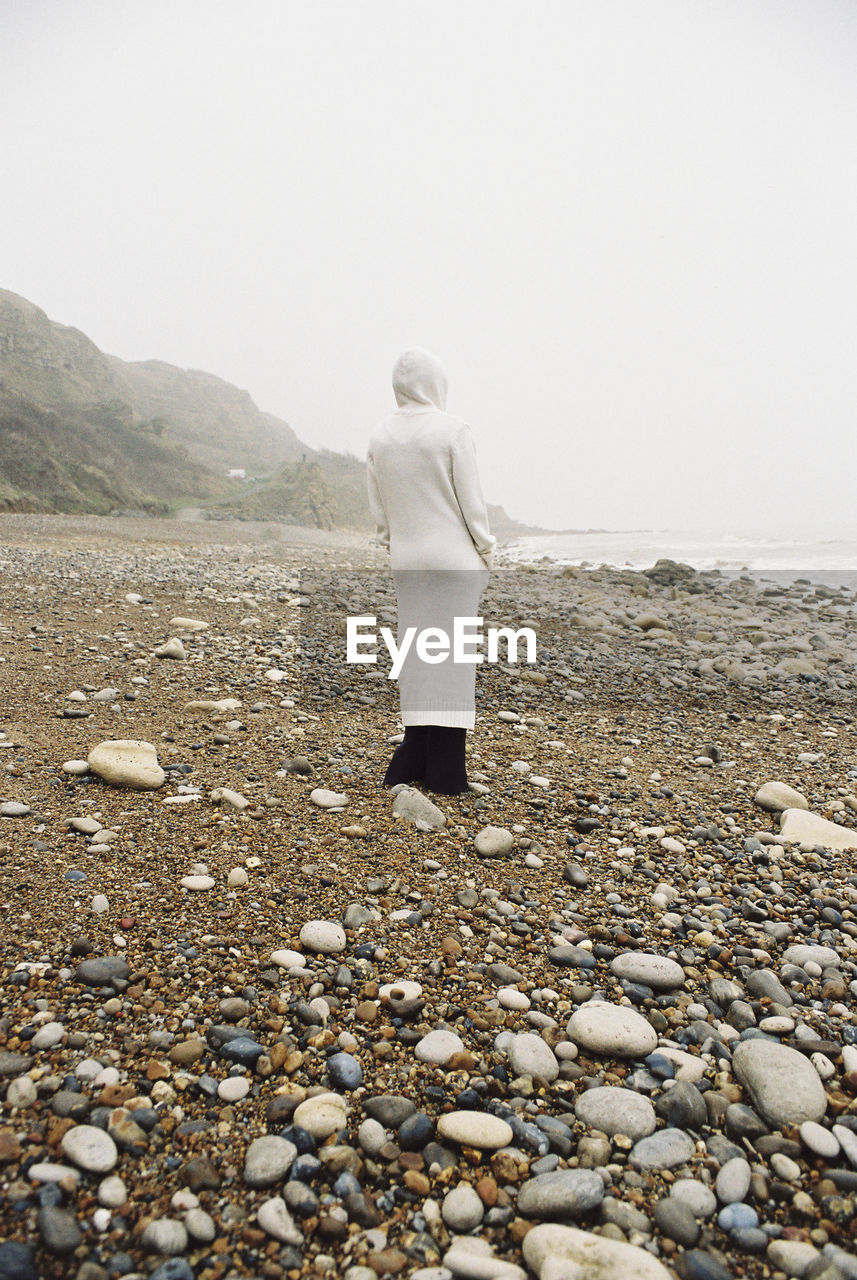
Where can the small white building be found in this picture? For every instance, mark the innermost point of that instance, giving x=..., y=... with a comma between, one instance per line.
x=237, y=473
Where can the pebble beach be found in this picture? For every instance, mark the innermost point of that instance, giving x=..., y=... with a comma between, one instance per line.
x=261, y=1018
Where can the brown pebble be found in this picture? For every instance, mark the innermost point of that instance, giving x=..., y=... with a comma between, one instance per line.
x=518, y=1229
x=417, y=1182
x=387, y=1260
x=187, y=1051
x=199, y=1175
x=330, y=1228
x=10, y=1147
x=486, y=1189
x=366, y=1011
x=463, y=1060
x=278, y=1054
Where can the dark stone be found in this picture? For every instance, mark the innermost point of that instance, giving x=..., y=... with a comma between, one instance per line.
x=682, y=1107
x=696, y=1265
x=743, y=1122
x=16, y=1262
x=344, y=1071
x=361, y=1210
x=389, y=1109
x=676, y=1220
x=199, y=1175
x=173, y=1269
x=59, y=1230
x=567, y=956
x=415, y=1132
x=242, y=1050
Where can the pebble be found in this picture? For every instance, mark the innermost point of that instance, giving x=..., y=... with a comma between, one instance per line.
x=233, y=1088
x=699, y=1198
x=612, y=1030
x=344, y=1071
x=112, y=1192
x=818, y=1140
x=268, y=1160
x=324, y=937
x=172, y=648
x=529, y=1055
x=565, y=1193
x=797, y=826
x=494, y=842
x=414, y=807
x=322, y=1115
x=197, y=884
x=777, y=796
x=58, y=1230
x=476, y=1129
x=794, y=1257
x=462, y=1209
x=737, y=1216
x=677, y=1221
x=733, y=1180
x=200, y=1226
x=801, y=954
x=127, y=763
x=438, y=1047
x=512, y=998
x=710, y=931
x=614, y=1110
x=14, y=809
x=276, y=1221
x=90, y=1148
x=784, y=1087
x=328, y=799
x=664, y=1149
x=658, y=972
x=21, y=1093
x=582, y=1255
x=165, y=1235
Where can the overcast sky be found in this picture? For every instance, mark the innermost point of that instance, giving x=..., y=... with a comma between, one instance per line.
x=627, y=227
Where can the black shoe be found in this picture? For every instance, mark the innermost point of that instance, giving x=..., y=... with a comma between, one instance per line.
x=409, y=759
x=445, y=770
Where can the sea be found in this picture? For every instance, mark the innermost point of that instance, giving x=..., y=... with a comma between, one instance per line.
x=831, y=562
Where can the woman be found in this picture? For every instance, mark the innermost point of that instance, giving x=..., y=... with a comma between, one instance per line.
x=427, y=502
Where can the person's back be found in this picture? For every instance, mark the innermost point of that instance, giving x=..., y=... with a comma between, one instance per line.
x=423, y=482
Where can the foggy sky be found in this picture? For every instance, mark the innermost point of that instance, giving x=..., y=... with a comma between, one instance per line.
x=627, y=227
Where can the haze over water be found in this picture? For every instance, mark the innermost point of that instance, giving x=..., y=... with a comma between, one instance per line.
x=832, y=561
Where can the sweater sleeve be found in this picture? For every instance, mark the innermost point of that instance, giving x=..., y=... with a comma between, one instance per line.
x=379, y=515
x=468, y=491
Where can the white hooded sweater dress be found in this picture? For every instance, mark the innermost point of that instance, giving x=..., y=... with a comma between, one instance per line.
x=428, y=507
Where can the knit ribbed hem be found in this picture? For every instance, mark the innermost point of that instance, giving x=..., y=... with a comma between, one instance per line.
x=449, y=718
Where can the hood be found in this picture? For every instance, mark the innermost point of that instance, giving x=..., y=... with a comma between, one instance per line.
x=419, y=378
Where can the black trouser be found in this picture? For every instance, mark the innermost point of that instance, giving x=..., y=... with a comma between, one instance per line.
x=432, y=754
